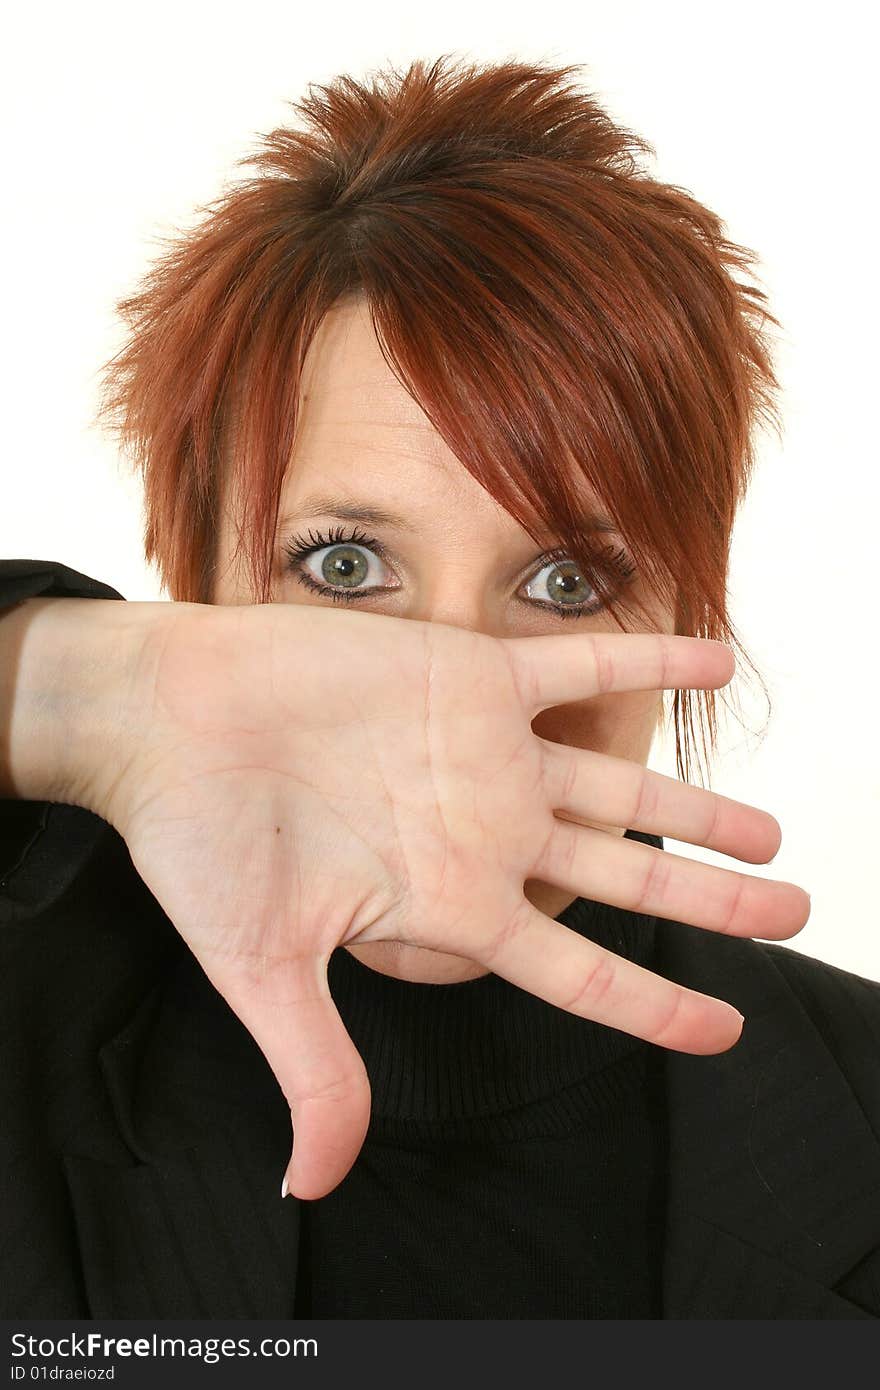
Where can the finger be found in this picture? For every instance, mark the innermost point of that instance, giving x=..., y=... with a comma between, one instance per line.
x=557, y=670
x=614, y=791
x=559, y=965
x=639, y=878
x=289, y=1011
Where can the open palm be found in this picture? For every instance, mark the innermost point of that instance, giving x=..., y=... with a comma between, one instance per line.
x=306, y=778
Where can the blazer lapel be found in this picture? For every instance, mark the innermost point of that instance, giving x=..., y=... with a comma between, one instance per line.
x=773, y=1189
x=194, y=1225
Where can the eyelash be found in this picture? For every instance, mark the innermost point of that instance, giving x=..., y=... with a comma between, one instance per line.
x=298, y=549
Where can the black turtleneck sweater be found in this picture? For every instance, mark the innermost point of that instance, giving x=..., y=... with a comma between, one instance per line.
x=515, y=1159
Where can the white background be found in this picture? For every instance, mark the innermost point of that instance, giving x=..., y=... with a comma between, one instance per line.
x=120, y=120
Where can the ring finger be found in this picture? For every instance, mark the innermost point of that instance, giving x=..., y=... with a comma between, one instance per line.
x=639, y=878
x=615, y=791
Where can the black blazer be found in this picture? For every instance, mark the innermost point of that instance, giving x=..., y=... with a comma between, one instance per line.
x=141, y=1157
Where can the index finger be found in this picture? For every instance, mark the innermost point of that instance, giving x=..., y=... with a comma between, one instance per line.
x=556, y=670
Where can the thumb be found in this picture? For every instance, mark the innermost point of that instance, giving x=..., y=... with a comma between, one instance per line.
x=292, y=1017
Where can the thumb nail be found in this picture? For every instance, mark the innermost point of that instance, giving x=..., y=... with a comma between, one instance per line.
x=285, y=1185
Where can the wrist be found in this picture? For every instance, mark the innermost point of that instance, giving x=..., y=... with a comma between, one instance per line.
x=71, y=695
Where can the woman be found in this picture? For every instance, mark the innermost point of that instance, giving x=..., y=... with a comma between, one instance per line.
x=452, y=357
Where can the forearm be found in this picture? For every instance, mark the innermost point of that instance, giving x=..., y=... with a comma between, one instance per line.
x=71, y=693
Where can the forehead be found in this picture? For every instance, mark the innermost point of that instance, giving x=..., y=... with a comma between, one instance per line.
x=356, y=417
x=362, y=437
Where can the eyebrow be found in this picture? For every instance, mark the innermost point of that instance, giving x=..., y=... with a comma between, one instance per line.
x=349, y=511
x=352, y=510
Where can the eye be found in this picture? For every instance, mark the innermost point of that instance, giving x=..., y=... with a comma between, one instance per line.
x=566, y=588
x=340, y=564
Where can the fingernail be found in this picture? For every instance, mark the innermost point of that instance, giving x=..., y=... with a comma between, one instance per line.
x=284, y=1187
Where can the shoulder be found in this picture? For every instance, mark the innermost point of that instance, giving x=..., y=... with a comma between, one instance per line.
x=827, y=991
x=795, y=1006
x=844, y=1009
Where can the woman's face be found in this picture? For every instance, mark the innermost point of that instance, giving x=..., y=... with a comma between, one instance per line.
x=450, y=554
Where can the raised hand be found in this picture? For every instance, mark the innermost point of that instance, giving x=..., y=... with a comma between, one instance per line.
x=305, y=778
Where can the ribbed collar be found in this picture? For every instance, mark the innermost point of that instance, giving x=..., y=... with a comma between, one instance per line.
x=482, y=1047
